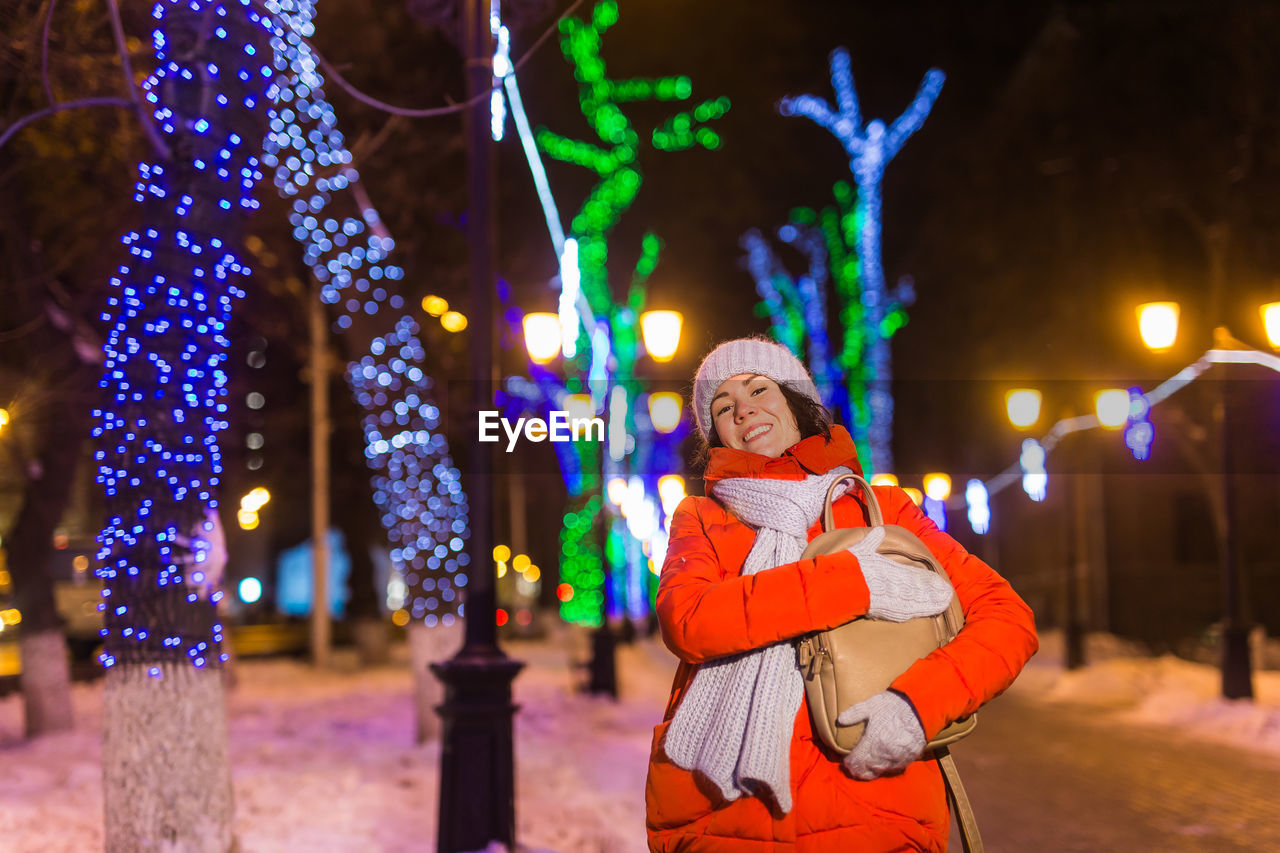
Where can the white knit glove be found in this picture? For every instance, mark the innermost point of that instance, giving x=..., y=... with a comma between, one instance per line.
x=892, y=739
x=898, y=592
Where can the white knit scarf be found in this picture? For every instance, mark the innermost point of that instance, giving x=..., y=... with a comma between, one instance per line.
x=735, y=721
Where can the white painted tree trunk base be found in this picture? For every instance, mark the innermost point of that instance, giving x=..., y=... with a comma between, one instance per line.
x=428, y=646
x=166, y=771
x=46, y=683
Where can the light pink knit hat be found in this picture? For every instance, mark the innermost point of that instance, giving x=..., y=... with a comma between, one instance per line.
x=760, y=356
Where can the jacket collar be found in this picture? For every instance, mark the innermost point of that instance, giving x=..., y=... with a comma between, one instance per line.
x=813, y=455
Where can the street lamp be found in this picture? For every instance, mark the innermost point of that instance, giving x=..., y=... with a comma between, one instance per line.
x=664, y=410
x=670, y=492
x=1271, y=322
x=477, y=761
x=937, y=486
x=1023, y=407
x=1237, y=669
x=661, y=332
x=542, y=336
x=1158, y=324
x=1112, y=407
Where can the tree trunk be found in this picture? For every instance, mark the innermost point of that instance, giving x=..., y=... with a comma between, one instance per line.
x=358, y=521
x=46, y=677
x=46, y=682
x=166, y=779
x=166, y=769
x=428, y=646
x=373, y=641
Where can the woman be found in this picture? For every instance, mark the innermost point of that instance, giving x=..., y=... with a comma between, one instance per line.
x=735, y=765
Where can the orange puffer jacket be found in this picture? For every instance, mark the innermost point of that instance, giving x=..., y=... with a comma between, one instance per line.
x=707, y=610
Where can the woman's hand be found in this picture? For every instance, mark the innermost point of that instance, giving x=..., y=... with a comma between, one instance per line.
x=892, y=739
x=898, y=592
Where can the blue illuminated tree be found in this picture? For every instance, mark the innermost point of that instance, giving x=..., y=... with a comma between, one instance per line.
x=165, y=757
x=417, y=487
x=796, y=305
x=870, y=149
x=837, y=340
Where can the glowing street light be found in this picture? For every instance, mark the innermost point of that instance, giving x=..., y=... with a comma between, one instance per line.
x=1112, y=407
x=453, y=321
x=664, y=410
x=1270, y=321
x=542, y=335
x=1158, y=324
x=435, y=305
x=661, y=331
x=1023, y=407
x=255, y=500
x=670, y=492
x=4, y=418
x=884, y=479
x=937, y=486
x=616, y=491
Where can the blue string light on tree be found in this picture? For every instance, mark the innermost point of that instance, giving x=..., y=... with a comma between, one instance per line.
x=158, y=457
x=417, y=488
x=870, y=149
x=798, y=306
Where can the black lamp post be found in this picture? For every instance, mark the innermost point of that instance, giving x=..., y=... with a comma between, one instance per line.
x=1237, y=669
x=1158, y=323
x=477, y=772
x=1024, y=410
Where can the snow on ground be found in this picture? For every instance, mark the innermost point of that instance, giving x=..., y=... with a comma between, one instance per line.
x=325, y=760
x=1159, y=691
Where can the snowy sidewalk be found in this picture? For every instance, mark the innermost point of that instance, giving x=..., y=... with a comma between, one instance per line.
x=325, y=761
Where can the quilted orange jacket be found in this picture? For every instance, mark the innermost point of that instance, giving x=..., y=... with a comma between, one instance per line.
x=707, y=610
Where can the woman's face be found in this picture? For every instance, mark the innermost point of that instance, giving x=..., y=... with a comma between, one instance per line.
x=750, y=413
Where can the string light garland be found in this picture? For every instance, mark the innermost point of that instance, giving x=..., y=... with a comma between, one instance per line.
x=870, y=150
x=1035, y=480
x=417, y=488
x=978, y=501
x=1138, y=432
x=158, y=457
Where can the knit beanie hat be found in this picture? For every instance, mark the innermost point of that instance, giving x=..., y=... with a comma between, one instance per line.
x=760, y=356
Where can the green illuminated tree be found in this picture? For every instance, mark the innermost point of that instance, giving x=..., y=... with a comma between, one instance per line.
x=613, y=157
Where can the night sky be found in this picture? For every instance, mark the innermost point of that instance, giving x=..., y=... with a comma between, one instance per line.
x=1060, y=179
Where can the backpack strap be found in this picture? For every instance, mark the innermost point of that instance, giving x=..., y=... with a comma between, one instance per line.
x=959, y=800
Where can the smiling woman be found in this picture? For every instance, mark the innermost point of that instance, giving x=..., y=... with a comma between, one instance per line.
x=735, y=765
